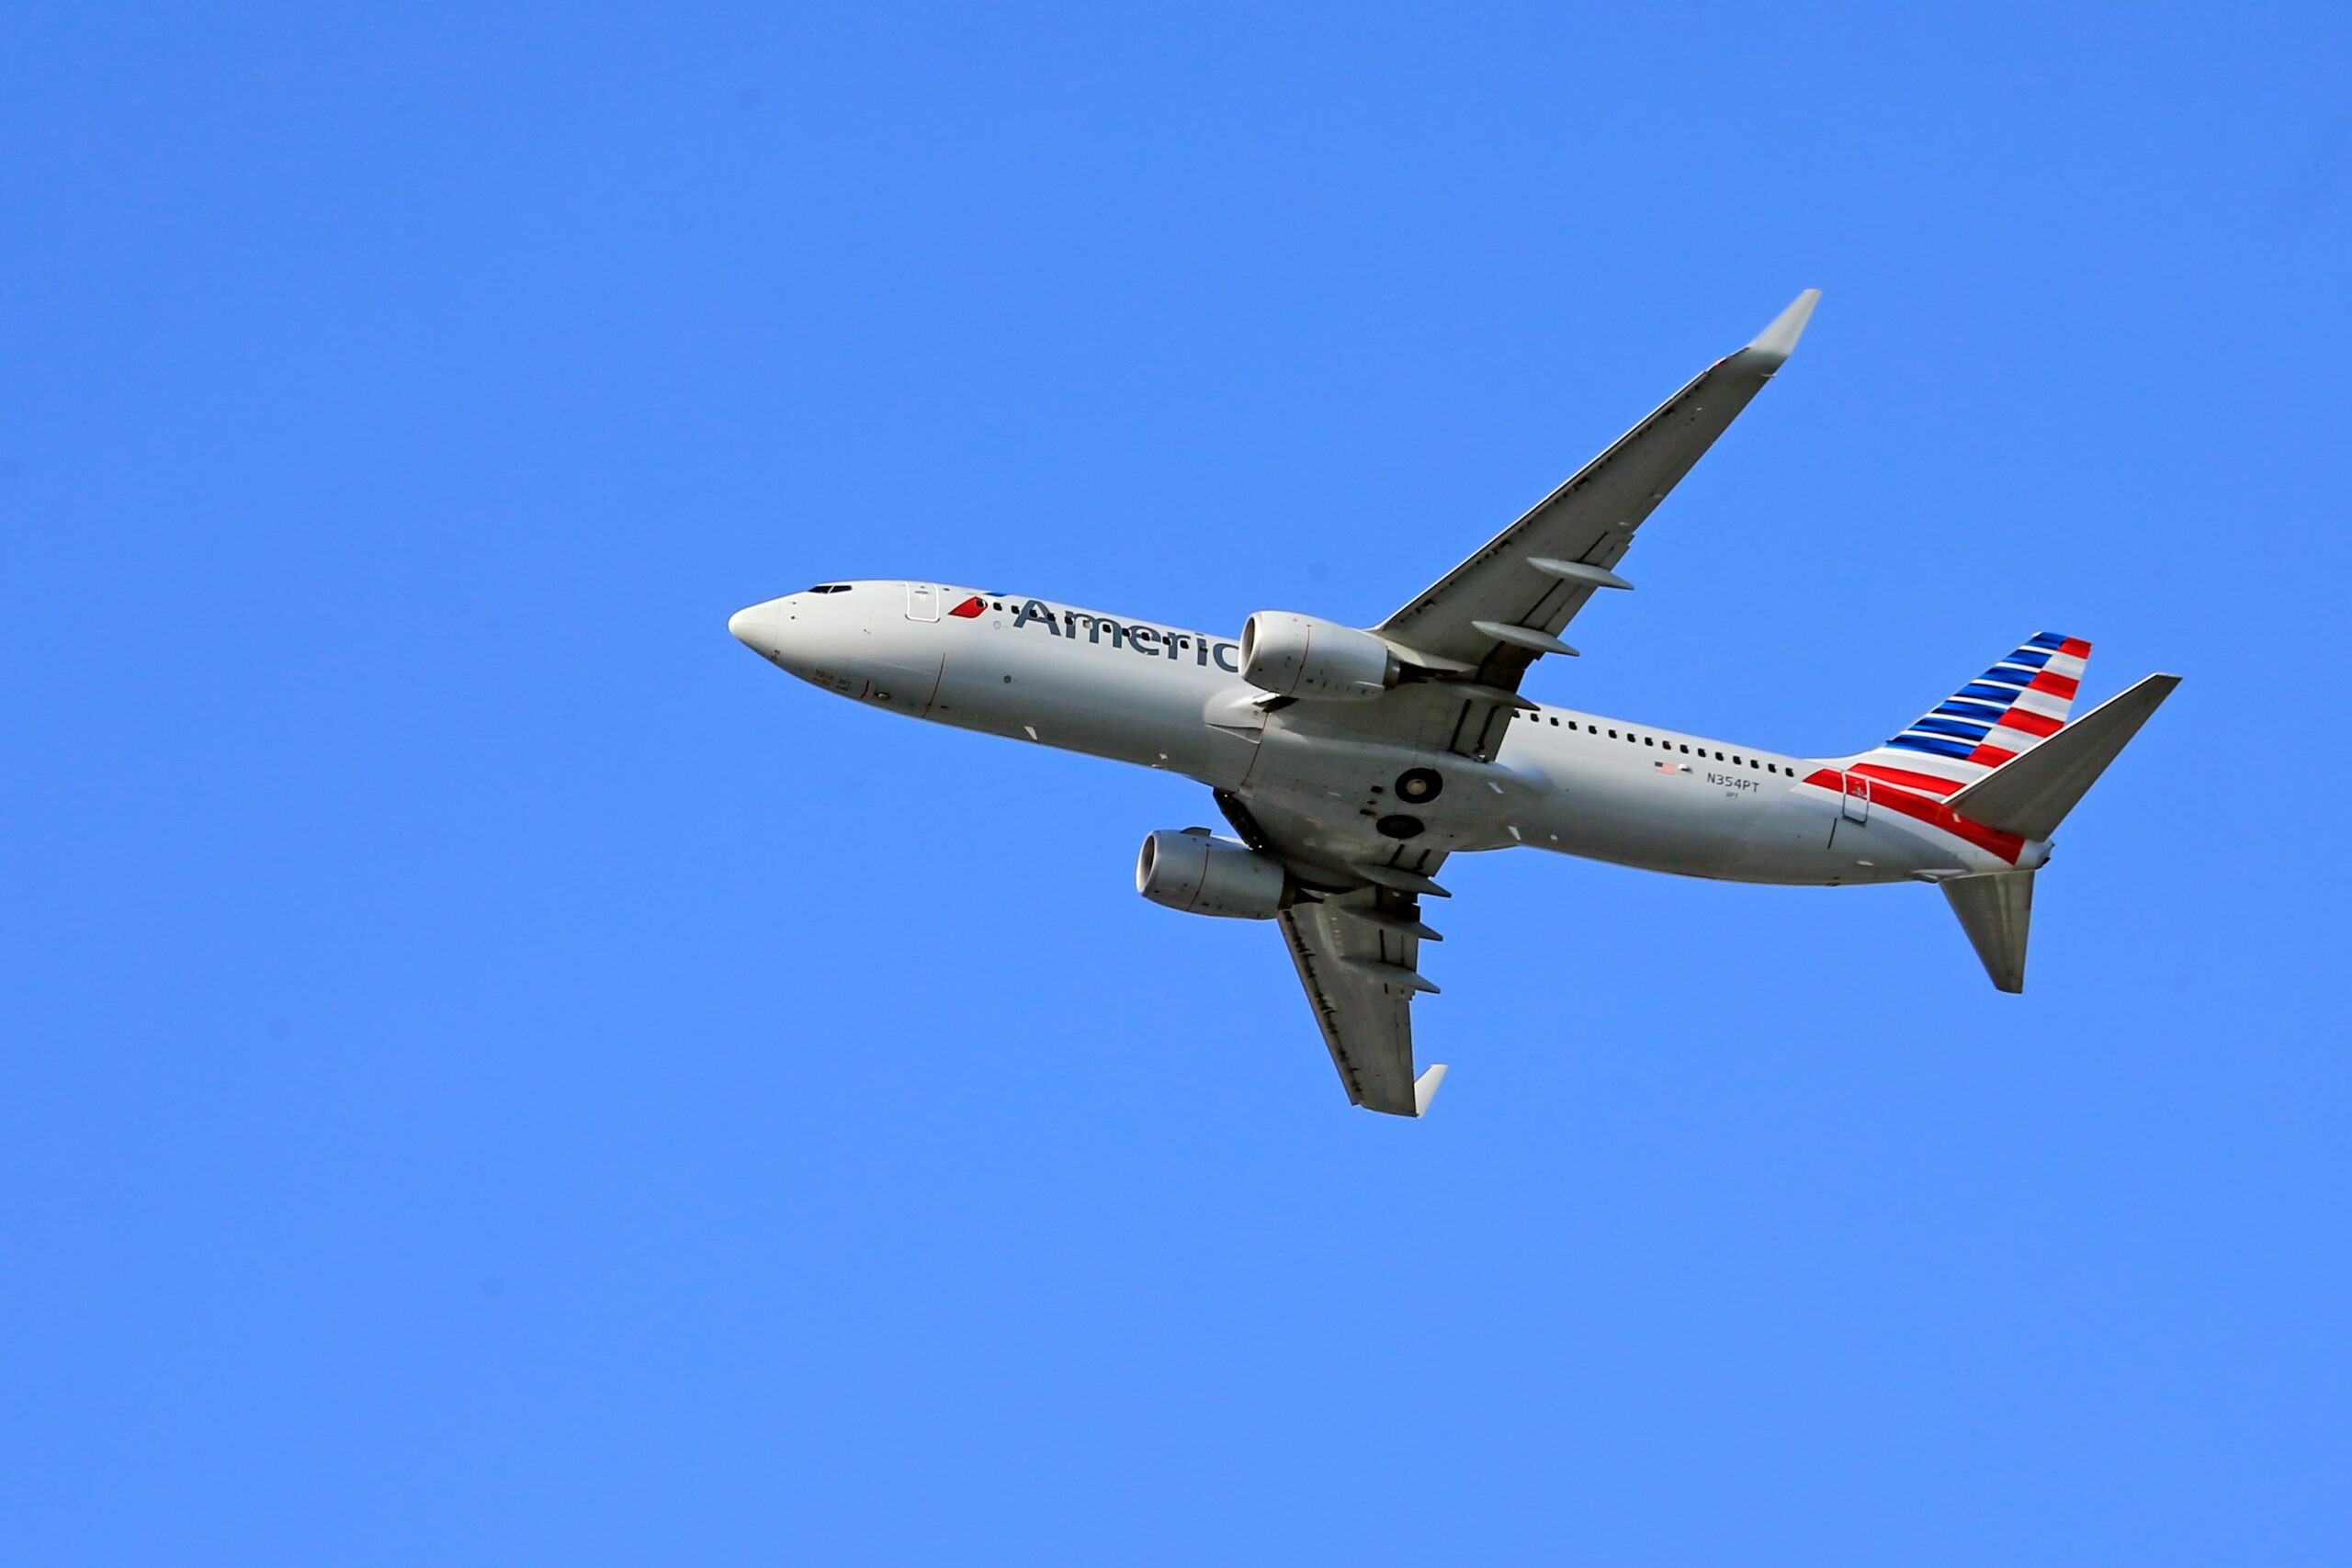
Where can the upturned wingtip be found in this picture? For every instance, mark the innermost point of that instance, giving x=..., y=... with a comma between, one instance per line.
x=1777, y=342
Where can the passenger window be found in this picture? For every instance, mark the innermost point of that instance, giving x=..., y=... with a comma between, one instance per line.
x=1555, y=724
x=1648, y=741
x=1613, y=735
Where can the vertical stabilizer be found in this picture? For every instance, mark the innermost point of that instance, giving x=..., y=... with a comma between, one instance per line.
x=1996, y=911
x=2006, y=712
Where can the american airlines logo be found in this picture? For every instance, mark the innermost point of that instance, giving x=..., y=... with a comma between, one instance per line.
x=1152, y=642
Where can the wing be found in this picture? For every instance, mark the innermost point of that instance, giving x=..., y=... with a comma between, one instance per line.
x=1467, y=642
x=1496, y=613
x=1358, y=962
x=1357, y=952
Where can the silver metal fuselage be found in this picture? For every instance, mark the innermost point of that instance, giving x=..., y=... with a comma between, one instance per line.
x=1172, y=699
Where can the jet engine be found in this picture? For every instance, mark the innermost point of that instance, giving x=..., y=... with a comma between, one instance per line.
x=1202, y=875
x=1298, y=656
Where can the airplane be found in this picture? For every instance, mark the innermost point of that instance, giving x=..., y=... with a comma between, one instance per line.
x=1350, y=763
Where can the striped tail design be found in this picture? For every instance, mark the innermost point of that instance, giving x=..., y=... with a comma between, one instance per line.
x=2007, y=710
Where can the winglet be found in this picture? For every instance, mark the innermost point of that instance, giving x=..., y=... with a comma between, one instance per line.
x=1425, y=1087
x=1776, y=343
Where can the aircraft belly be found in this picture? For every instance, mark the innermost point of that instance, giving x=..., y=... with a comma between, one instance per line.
x=1682, y=822
x=1357, y=790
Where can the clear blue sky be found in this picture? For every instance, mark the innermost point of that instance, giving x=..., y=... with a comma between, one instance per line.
x=495, y=1074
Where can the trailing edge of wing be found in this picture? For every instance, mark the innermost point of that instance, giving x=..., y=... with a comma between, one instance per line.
x=1360, y=979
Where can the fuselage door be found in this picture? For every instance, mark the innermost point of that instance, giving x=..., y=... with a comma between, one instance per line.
x=1858, y=798
x=923, y=601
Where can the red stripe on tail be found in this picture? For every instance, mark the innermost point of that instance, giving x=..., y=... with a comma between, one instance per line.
x=1907, y=778
x=2056, y=685
x=1934, y=813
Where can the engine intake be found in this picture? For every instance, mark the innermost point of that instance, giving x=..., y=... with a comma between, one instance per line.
x=1202, y=875
x=1298, y=656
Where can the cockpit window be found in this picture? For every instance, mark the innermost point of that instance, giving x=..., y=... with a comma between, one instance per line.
x=830, y=587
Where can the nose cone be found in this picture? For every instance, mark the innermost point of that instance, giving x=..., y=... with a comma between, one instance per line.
x=760, y=628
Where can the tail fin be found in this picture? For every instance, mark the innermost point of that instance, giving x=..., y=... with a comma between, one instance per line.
x=2029, y=795
x=2032, y=794
x=2005, y=713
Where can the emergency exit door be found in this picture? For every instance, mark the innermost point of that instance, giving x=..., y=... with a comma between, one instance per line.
x=1858, y=798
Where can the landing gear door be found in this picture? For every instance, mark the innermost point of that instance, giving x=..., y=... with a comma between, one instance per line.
x=1858, y=798
x=923, y=601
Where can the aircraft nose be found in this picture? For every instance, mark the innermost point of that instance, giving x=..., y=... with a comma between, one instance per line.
x=760, y=628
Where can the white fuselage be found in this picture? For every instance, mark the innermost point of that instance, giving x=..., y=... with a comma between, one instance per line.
x=1168, y=698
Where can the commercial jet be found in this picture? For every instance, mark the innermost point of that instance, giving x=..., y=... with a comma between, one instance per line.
x=1350, y=763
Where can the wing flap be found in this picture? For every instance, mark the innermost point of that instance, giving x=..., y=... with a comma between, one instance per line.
x=1360, y=977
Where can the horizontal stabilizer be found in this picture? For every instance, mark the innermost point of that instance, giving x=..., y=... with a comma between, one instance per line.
x=2030, y=794
x=1996, y=912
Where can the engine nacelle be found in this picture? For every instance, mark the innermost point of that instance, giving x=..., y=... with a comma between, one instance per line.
x=1298, y=656
x=1200, y=875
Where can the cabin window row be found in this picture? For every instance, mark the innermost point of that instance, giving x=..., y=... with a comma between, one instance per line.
x=1736, y=759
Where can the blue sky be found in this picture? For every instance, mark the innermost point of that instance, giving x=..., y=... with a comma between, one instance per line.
x=495, y=1074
